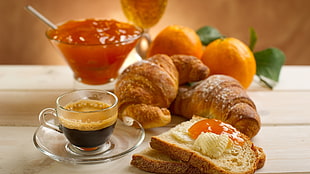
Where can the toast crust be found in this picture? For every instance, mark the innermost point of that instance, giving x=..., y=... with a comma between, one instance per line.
x=148, y=161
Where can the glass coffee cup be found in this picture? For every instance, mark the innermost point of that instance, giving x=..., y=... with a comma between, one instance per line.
x=87, y=119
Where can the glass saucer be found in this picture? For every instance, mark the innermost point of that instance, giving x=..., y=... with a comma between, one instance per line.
x=124, y=139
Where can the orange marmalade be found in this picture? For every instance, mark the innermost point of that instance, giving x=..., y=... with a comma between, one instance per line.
x=95, y=49
x=215, y=126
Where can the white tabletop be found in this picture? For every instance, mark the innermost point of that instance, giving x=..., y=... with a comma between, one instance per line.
x=26, y=90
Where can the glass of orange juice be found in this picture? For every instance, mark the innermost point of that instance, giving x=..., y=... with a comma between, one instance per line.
x=95, y=49
x=145, y=14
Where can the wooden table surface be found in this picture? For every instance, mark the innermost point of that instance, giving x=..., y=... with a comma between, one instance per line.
x=26, y=90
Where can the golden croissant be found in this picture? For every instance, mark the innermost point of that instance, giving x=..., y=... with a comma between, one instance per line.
x=147, y=88
x=220, y=97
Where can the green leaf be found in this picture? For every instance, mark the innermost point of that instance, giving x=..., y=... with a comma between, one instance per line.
x=268, y=65
x=208, y=34
x=253, y=39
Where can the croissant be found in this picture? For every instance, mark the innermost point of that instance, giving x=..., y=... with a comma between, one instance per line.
x=147, y=88
x=220, y=97
x=190, y=68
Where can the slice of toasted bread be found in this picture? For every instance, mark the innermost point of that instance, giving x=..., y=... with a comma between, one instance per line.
x=154, y=161
x=239, y=159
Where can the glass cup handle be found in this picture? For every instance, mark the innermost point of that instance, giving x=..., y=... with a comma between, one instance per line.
x=50, y=123
x=128, y=121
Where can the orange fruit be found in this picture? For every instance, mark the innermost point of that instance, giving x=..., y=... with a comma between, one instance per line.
x=176, y=39
x=232, y=57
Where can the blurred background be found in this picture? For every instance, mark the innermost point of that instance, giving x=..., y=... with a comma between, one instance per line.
x=283, y=24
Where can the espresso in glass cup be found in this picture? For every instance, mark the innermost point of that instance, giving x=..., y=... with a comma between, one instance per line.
x=86, y=118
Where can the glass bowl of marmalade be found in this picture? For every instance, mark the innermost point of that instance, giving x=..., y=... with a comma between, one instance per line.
x=95, y=49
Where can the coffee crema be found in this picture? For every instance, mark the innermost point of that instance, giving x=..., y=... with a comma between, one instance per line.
x=87, y=115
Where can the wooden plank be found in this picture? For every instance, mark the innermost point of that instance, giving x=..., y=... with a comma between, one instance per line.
x=286, y=147
x=35, y=77
x=51, y=77
x=284, y=108
x=21, y=107
x=60, y=77
x=292, y=78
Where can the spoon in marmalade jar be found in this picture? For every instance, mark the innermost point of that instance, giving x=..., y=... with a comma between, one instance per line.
x=40, y=16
